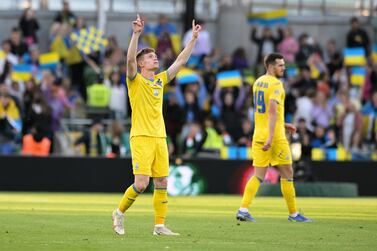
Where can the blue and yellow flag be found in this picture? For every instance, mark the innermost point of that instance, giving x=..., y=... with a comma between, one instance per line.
x=229, y=78
x=186, y=76
x=89, y=40
x=358, y=75
x=354, y=56
x=269, y=18
x=49, y=60
x=21, y=72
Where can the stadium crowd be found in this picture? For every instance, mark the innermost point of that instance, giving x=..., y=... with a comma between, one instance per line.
x=201, y=117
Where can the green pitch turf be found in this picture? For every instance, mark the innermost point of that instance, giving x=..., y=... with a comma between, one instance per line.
x=57, y=221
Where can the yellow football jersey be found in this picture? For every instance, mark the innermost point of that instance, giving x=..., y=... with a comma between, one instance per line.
x=266, y=88
x=146, y=103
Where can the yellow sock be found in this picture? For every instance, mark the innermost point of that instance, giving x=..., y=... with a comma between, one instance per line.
x=160, y=204
x=251, y=190
x=289, y=193
x=128, y=198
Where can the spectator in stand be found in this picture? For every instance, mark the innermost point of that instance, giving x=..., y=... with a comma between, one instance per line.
x=225, y=63
x=369, y=112
x=118, y=97
x=305, y=50
x=39, y=116
x=288, y=46
x=94, y=140
x=332, y=57
x=304, y=103
x=213, y=141
x=319, y=137
x=229, y=101
x=209, y=76
x=65, y=16
x=203, y=45
x=349, y=121
x=29, y=26
x=56, y=98
x=267, y=43
x=370, y=85
x=8, y=62
x=163, y=32
x=321, y=112
x=10, y=124
x=193, y=142
x=99, y=94
x=358, y=37
x=36, y=143
x=304, y=81
x=304, y=137
x=239, y=59
x=117, y=140
x=174, y=119
x=247, y=130
x=18, y=47
x=191, y=109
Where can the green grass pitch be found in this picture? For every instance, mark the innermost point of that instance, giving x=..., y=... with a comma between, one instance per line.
x=76, y=221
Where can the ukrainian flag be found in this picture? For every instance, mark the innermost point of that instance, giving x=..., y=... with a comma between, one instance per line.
x=89, y=40
x=229, y=78
x=186, y=76
x=354, y=56
x=21, y=72
x=374, y=53
x=176, y=43
x=358, y=75
x=49, y=60
x=269, y=18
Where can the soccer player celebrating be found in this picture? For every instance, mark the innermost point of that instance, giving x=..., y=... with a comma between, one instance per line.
x=148, y=137
x=270, y=146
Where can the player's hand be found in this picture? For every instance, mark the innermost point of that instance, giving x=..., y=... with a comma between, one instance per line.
x=290, y=128
x=138, y=25
x=196, y=28
x=267, y=145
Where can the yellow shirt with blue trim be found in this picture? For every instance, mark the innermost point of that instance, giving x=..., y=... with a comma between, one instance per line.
x=146, y=98
x=268, y=88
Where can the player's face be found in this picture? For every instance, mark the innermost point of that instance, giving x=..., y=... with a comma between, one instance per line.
x=150, y=61
x=279, y=68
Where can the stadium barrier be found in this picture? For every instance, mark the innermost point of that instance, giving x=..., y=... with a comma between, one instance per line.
x=192, y=176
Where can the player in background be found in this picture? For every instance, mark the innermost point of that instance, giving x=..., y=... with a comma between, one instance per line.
x=148, y=136
x=270, y=146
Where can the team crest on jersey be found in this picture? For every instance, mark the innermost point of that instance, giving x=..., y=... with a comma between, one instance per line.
x=159, y=82
x=155, y=92
x=137, y=166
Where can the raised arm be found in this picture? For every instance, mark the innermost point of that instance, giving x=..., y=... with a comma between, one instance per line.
x=137, y=28
x=185, y=54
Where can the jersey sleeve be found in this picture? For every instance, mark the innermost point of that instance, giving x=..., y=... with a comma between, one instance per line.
x=135, y=79
x=164, y=77
x=277, y=92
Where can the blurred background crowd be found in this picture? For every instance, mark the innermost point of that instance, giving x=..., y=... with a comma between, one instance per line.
x=201, y=116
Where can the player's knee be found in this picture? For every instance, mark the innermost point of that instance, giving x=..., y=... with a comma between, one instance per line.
x=141, y=186
x=160, y=182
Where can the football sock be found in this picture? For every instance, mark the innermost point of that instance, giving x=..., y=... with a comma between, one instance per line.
x=289, y=193
x=160, y=204
x=250, y=191
x=129, y=198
